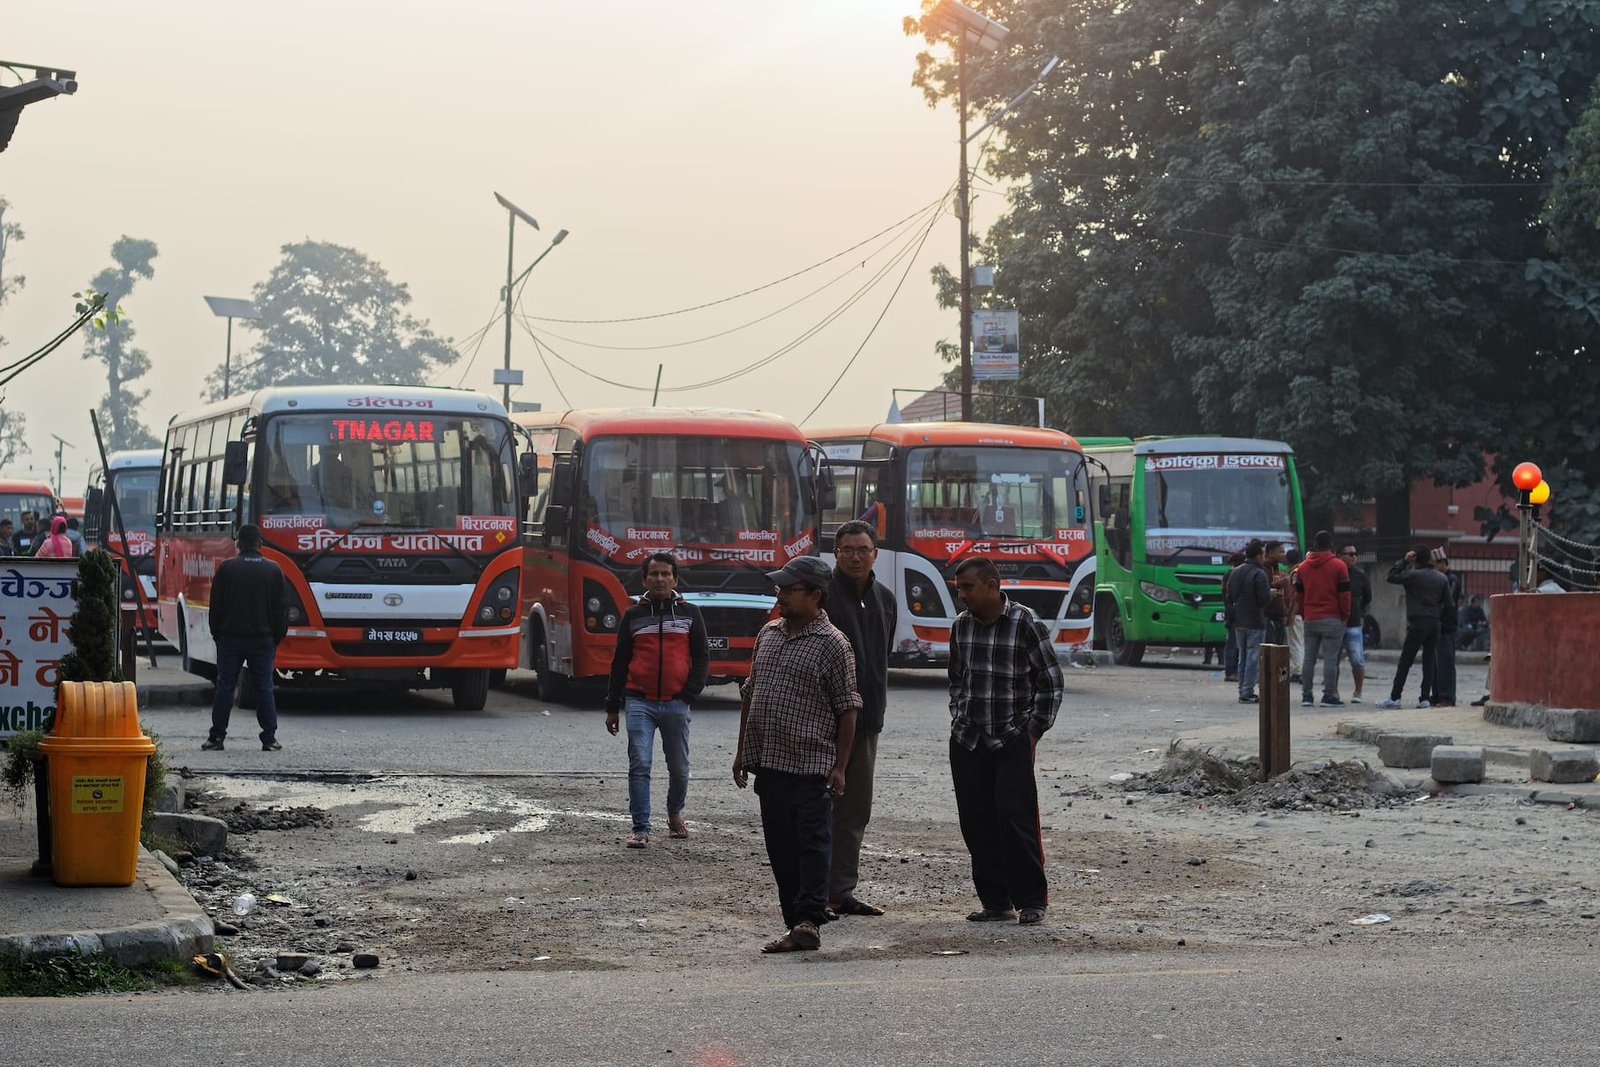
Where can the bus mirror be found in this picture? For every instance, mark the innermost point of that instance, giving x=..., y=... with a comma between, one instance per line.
x=528, y=471
x=827, y=493
x=236, y=463
x=1105, y=500
x=555, y=521
x=561, y=483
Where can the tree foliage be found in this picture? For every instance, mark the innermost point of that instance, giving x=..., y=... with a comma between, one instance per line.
x=1310, y=220
x=93, y=627
x=13, y=424
x=331, y=315
x=113, y=345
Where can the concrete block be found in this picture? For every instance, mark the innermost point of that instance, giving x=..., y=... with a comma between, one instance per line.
x=172, y=794
x=1563, y=765
x=1409, y=750
x=1580, y=725
x=1454, y=764
x=203, y=835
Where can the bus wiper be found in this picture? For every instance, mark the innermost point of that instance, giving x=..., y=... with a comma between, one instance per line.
x=1199, y=548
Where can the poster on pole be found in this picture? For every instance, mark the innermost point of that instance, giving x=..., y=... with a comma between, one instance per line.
x=996, y=345
x=36, y=601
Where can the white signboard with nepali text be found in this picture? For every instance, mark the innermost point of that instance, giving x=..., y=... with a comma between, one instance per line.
x=36, y=602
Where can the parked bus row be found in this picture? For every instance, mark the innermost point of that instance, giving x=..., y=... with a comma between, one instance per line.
x=433, y=541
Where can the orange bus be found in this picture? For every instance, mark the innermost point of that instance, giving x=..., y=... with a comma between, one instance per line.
x=938, y=492
x=20, y=495
x=134, y=476
x=391, y=509
x=732, y=494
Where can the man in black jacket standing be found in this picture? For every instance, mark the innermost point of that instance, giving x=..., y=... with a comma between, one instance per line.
x=1427, y=594
x=249, y=617
x=865, y=611
x=1249, y=591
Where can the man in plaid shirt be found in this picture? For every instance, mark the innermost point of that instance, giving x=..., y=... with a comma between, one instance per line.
x=1005, y=689
x=796, y=727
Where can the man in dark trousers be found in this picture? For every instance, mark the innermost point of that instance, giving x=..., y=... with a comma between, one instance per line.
x=796, y=728
x=1427, y=592
x=1249, y=592
x=659, y=668
x=864, y=611
x=1322, y=591
x=249, y=618
x=1355, y=641
x=1005, y=690
x=1444, y=678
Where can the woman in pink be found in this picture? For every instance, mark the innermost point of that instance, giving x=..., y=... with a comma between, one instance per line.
x=57, y=543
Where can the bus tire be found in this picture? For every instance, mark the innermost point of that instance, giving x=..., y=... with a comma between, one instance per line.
x=470, y=688
x=497, y=678
x=1124, y=653
x=551, y=686
x=245, y=692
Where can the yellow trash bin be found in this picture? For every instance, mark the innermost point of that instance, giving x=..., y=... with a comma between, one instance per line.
x=97, y=758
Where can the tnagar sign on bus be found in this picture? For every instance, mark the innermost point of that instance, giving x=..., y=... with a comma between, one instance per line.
x=392, y=510
x=938, y=492
x=731, y=494
x=135, y=477
x=1173, y=510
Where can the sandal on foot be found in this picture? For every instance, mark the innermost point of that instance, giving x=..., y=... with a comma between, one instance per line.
x=992, y=915
x=803, y=938
x=677, y=826
x=852, y=906
x=638, y=840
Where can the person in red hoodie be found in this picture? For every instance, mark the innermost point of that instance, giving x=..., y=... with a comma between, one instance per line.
x=659, y=669
x=1322, y=585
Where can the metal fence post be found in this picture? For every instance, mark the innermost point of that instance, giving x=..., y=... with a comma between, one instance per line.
x=1273, y=689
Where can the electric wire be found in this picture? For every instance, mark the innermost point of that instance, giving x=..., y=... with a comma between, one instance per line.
x=481, y=333
x=747, y=292
x=546, y=363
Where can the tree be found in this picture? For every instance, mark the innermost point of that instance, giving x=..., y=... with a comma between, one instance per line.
x=331, y=315
x=13, y=424
x=1307, y=220
x=113, y=345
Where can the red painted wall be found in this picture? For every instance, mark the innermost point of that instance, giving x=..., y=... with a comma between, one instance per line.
x=1545, y=649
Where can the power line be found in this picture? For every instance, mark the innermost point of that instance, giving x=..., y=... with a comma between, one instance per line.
x=481, y=333
x=731, y=330
x=747, y=292
x=540, y=349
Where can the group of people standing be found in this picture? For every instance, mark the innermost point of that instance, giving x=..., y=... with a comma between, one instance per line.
x=811, y=714
x=59, y=538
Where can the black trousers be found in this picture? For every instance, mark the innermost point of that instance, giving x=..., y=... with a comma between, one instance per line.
x=998, y=803
x=1444, y=679
x=797, y=820
x=1422, y=635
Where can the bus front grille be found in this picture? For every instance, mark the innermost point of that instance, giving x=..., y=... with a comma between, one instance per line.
x=391, y=648
x=733, y=622
x=1046, y=603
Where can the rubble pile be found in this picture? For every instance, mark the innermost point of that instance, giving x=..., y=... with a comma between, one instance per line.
x=1334, y=785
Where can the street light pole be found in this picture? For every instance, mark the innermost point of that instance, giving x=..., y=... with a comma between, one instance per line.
x=511, y=242
x=230, y=308
x=964, y=212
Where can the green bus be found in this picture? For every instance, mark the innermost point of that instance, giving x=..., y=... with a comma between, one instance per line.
x=1169, y=513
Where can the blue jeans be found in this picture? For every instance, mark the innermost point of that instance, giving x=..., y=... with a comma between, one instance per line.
x=645, y=717
x=1249, y=660
x=1355, y=647
x=233, y=653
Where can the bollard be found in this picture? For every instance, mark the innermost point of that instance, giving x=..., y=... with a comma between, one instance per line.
x=1272, y=686
x=128, y=645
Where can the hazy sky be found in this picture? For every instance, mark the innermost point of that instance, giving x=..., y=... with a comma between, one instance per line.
x=693, y=150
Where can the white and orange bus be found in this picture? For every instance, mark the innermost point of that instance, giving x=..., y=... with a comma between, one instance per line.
x=938, y=492
x=134, y=476
x=392, y=510
x=732, y=494
x=21, y=495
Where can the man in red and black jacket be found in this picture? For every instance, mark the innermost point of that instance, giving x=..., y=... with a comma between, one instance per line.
x=658, y=670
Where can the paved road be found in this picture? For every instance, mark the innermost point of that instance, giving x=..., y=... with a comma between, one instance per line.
x=1355, y=1005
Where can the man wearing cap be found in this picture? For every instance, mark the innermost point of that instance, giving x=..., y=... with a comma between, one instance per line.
x=1427, y=591
x=797, y=723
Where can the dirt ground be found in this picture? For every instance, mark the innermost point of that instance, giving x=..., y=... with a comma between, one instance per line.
x=473, y=873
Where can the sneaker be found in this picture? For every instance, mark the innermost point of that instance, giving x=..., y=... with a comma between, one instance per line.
x=1357, y=699
x=212, y=744
x=1481, y=701
x=271, y=746
x=1251, y=699
x=1333, y=702
x=1306, y=701
x=1424, y=704
x=1389, y=702
x=1030, y=916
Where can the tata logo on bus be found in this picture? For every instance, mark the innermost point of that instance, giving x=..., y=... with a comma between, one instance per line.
x=390, y=402
x=1212, y=463
x=395, y=430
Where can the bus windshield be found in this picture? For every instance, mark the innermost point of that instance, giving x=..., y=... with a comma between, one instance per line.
x=426, y=471
x=994, y=491
x=14, y=505
x=136, y=499
x=661, y=491
x=1209, y=504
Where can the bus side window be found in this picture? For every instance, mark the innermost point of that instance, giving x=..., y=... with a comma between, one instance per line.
x=1118, y=521
x=845, y=482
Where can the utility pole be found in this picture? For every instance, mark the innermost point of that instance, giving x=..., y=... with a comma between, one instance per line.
x=61, y=443
x=511, y=266
x=964, y=211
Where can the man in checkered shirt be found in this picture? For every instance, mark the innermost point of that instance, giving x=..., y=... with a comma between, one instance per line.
x=796, y=727
x=1005, y=690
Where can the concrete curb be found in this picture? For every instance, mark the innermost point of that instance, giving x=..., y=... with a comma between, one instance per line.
x=166, y=695
x=185, y=931
x=1367, y=733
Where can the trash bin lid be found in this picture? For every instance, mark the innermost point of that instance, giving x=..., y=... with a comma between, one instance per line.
x=97, y=709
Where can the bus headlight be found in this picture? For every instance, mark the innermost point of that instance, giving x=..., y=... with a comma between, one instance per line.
x=610, y=621
x=486, y=614
x=1082, y=603
x=592, y=605
x=599, y=615
x=1160, y=593
x=922, y=597
x=499, y=601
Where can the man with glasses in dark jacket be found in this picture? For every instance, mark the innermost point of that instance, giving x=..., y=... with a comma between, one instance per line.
x=1249, y=591
x=249, y=618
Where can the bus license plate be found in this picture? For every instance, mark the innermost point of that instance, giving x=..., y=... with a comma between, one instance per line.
x=1219, y=616
x=393, y=636
x=717, y=644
